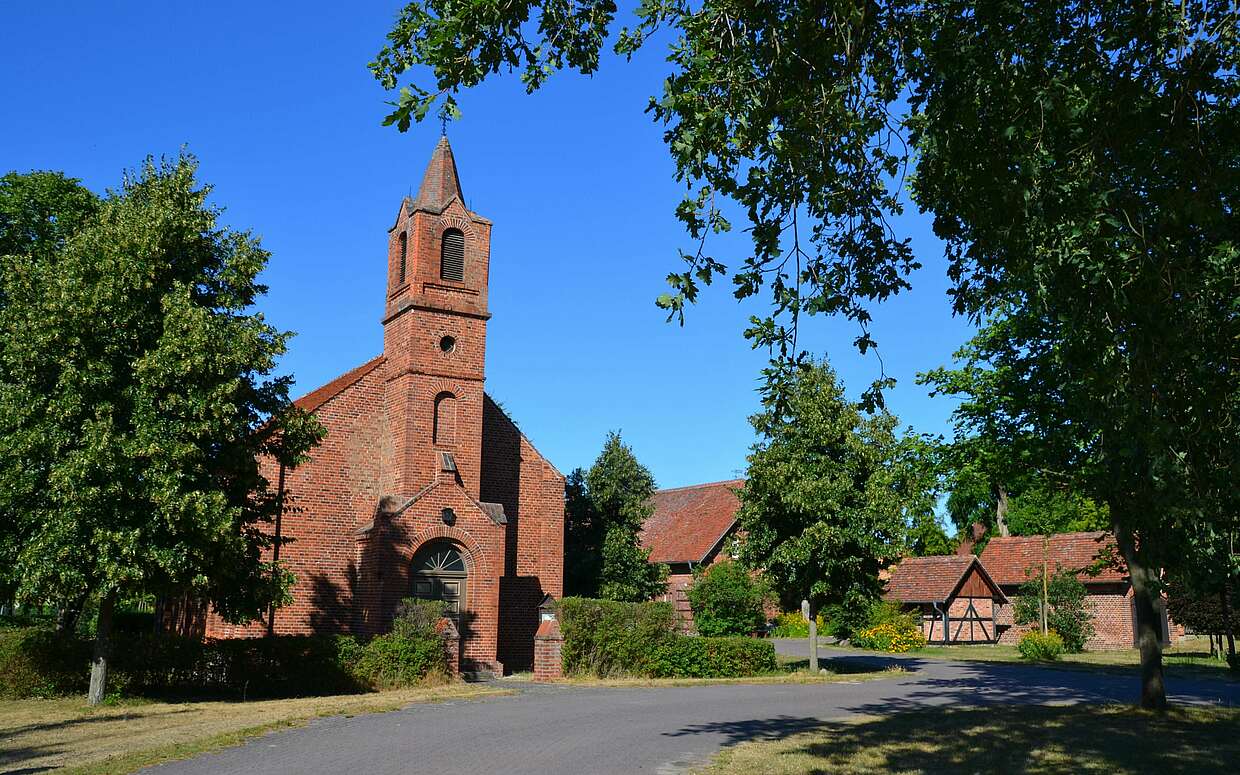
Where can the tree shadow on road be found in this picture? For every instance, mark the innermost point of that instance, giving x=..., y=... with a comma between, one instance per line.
x=1057, y=739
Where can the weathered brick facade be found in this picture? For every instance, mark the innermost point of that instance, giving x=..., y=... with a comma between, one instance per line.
x=417, y=456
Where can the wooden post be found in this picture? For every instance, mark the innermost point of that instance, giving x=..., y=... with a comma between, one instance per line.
x=808, y=613
x=1046, y=542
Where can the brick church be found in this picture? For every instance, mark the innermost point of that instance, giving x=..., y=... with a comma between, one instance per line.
x=423, y=487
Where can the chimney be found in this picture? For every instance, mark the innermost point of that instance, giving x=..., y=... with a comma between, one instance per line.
x=976, y=532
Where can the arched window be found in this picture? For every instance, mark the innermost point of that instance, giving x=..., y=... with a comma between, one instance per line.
x=452, y=256
x=445, y=420
x=439, y=557
x=404, y=255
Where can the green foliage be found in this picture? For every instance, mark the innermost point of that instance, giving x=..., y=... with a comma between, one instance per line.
x=828, y=494
x=40, y=211
x=35, y=662
x=1043, y=510
x=605, y=638
x=139, y=376
x=686, y=657
x=1068, y=612
x=1036, y=647
x=38, y=662
x=583, y=538
x=417, y=618
x=927, y=538
x=604, y=511
x=727, y=600
x=896, y=637
x=392, y=660
x=792, y=624
x=608, y=638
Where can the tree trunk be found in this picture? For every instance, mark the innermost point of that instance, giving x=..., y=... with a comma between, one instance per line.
x=1001, y=510
x=1231, y=637
x=103, y=648
x=1149, y=635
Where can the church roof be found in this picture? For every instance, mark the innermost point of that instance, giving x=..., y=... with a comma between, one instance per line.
x=311, y=401
x=689, y=522
x=440, y=182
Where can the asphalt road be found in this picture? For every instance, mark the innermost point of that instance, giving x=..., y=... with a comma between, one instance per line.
x=554, y=730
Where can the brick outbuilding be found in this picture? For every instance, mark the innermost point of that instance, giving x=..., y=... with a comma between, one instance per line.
x=956, y=598
x=1093, y=557
x=689, y=529
x=424, y=487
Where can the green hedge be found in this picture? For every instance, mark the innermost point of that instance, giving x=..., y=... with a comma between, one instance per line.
x=36, y=662
x=684, y=657
x=604, y=638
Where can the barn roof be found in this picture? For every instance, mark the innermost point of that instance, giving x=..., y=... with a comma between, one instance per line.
x=936, y=579
x=1009, y=558
x=689, y=522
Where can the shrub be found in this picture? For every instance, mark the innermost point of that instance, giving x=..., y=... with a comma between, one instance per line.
x=727, y=600
x=1037, y=647
x=36, y=662
x=686, y=657
x=794, y=625
x=1068, y=613
x=417, y=618
x=896, y=637
x=393, y=661
x=605, y=638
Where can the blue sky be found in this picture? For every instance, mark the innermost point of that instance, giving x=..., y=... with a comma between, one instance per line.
x=277, y=104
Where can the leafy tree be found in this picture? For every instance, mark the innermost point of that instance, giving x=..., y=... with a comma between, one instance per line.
x=1078, y=159
x=39, y=211
x=727, y=600
x=136, y=404
x=607, y=511
x=826, y=499
x=1043, y=510
x=1067, y=611
x=583, y=538
x=926, y=537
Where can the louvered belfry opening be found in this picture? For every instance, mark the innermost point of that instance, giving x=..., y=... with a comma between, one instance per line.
x=452, y=256
x=404, y=255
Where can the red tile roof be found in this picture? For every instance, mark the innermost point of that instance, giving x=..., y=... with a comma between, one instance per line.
x=314, y=399
x=688, y=522
x=1007, y=559
x=934, y=579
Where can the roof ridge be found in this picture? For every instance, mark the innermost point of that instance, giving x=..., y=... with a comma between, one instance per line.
x=699, y=486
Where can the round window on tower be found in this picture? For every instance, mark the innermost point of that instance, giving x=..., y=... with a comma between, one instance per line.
x=447, y=344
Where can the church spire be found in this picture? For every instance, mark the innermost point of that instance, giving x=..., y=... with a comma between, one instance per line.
x=440, y=183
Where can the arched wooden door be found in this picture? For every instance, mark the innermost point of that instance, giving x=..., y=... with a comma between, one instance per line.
x=439, y=573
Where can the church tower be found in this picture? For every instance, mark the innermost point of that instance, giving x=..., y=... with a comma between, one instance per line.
x=434, y=333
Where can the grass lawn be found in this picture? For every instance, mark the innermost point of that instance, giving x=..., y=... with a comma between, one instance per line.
x=1076, y=739
x=1185, y=660
x=66, y=736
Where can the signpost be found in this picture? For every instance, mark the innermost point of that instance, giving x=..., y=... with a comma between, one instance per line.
x=813, y=635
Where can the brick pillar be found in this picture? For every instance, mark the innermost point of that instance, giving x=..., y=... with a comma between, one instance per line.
x=451, y=645
x=548, y=643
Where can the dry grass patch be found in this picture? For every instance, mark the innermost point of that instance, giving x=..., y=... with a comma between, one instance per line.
x=67, y=736
x=1037, y=740
x=792, y=671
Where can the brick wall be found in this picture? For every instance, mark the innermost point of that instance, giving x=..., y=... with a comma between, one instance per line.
x=1111, y=608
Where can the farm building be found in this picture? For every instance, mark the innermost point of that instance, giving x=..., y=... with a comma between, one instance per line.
x=956, y=597
x=688, y=530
